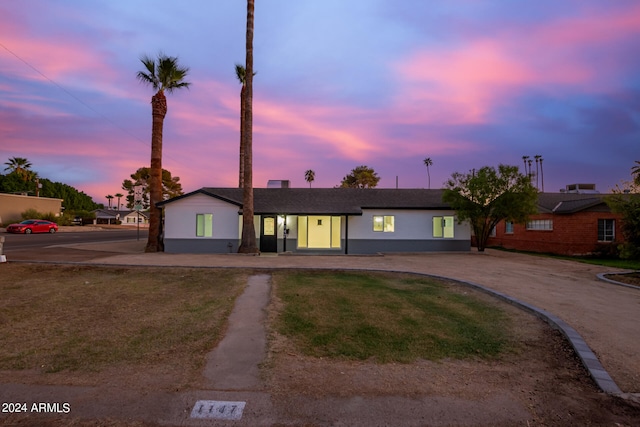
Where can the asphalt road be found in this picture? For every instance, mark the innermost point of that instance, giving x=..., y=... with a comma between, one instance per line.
x=52, y=247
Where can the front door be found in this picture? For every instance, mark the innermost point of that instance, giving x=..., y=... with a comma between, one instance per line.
x=269, y=234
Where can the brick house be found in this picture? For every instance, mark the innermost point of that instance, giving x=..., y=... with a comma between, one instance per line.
x=567, y=224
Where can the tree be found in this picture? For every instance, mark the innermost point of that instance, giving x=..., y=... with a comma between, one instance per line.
x=241, y=75
x=248, y=242
x=109, y=198
x=635, y=173
x=486, y=197
x=163, y=74
x=626, y=202
x=20, y=166
x=361, y=177
x=118, y=196
x=171, y=186
x=428, y=162
x=309, y=176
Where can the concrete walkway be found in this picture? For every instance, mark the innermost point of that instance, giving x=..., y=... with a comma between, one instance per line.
x=234, y=363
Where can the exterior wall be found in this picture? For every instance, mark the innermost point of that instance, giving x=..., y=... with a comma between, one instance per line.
x=11, y=206
x=180, y=226
x=412, y=230
x=572, y=234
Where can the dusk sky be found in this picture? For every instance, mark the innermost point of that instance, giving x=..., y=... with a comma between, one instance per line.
x=382, y=83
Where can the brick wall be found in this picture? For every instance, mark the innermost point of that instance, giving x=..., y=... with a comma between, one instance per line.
x=572, y=234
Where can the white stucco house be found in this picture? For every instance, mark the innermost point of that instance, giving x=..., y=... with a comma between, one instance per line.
x=318, y=220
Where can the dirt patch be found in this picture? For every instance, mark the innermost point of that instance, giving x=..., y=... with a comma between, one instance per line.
x=628, y=278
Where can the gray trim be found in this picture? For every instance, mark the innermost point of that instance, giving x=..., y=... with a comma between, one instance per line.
x=201, y=246
x=362, y=246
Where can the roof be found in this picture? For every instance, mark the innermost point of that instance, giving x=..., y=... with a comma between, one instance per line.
x=326, y=201
x=567, y=203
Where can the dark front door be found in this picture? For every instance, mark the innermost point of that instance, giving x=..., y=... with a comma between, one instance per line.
x=269, y=234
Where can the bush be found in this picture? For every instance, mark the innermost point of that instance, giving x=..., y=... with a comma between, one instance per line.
x=607, y=250
x=34, y=214
x=629, y=251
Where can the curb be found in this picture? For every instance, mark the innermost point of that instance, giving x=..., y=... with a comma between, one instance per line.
x=602, y=276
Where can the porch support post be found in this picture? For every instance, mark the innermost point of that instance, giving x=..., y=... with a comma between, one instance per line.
x=346, y=234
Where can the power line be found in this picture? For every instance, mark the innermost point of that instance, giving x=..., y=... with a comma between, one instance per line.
x=62, y=88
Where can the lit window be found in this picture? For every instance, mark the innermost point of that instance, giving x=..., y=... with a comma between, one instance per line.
x=540, y=224
x=316, y=232
x=385, y=223
x=606, y=230
x=443, y=227
x=204, y=225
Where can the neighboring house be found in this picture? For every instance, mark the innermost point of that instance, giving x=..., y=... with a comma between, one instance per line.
x=566, y=224
x=112, y=216
x=13, y=205
x=319, y=220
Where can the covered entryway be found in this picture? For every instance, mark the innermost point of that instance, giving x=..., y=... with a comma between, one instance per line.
x=268, y=234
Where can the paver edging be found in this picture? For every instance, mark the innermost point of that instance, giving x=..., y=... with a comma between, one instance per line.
x=602, y=276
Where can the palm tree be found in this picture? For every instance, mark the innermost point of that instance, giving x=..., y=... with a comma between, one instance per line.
x=635, y=172
x=537, y=157
x=241, y=73
x=248, y=243
x=428, y=162
x=20, y=166
x=163, y=74
x=109, y=198
x=524, y=159
x=309, y=176
x=541, y=174
x=118, y=196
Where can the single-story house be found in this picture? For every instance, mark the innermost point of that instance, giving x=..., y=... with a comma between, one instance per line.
x=566, y=224
x=112, y=216
x=318, y=220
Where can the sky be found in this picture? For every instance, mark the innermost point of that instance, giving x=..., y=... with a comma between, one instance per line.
x=339, y=84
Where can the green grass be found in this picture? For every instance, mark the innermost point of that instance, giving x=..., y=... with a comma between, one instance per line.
x=386, y=317
x=607, y=262
x=85, y=319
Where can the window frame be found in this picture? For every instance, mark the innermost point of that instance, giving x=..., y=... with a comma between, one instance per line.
x=607, y=237
x=387, y=224
x=540, y=225
x=204, y=225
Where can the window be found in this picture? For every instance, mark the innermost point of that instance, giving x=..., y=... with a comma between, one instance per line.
x=319, y=232
x=508, y=227
x=606, y=230
x=540, y=224
x=443, y=227
x=384, y=223
x=204, y=225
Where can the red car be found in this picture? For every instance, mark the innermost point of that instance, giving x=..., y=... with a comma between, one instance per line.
x=33, y=226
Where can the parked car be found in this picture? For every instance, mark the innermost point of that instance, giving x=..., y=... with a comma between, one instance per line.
x=29, y=226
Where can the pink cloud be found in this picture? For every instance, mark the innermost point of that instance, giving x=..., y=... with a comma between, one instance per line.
x=465, y=84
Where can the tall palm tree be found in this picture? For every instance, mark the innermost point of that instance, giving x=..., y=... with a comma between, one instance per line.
x=109, y=198
x=524, y=159
x=20, y=166
x=118, y=196
x=309, y=176
x=537, y=157
x=248, y=242
x=241, y=73
x=428, y=162
x=635, y=172
x=163, y=74
x=541, y=174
